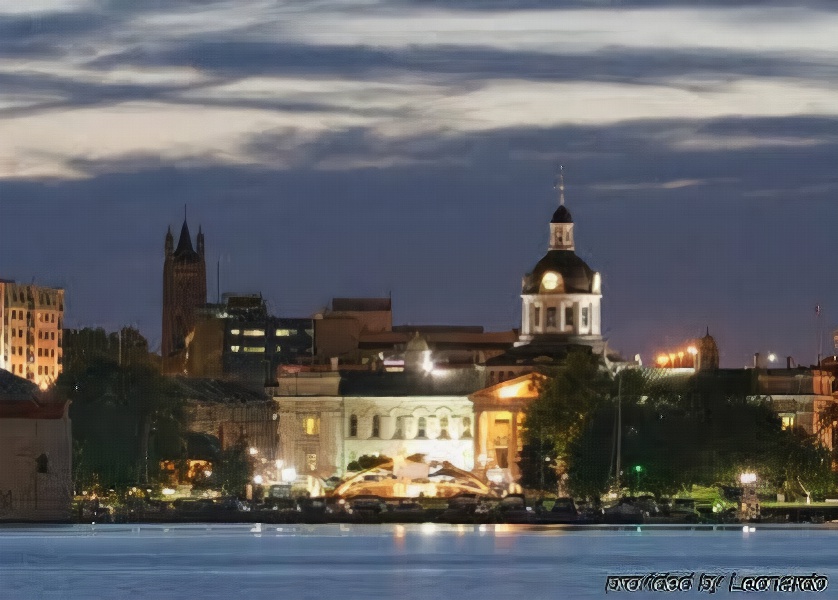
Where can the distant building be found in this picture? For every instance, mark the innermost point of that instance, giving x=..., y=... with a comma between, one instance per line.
x=238, y=340
x=35, y=453
x=184, y=290
x=31, y=320
x=338, y=331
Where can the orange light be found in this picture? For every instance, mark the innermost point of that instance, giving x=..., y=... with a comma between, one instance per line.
x=692, y=350
x=672, y=358
x=663, y=359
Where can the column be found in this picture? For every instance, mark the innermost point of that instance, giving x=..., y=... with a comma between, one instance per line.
x=512, y=449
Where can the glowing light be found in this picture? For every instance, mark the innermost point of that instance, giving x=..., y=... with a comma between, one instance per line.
x=550, y=281
x=253, y=451
x=258, y=480
x=596, y=287
x=279, y=463
x=747, y=478
x=428, y=528
x=692, y=350
x=662, y=359
x=772, y=357
x=289, y=475
x=168, y=492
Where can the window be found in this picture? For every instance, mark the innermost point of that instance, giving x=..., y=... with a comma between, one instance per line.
x=40, y=370
x=254, y=332
x=235, y=348
x=466, y=427
x=42, y=463
x=536, y=319
x=235, y=331
x=283, y=332
x=421, y=432
x=52, y=353
x=14, y=314
x=52, y=319
x=14, y=332
x=353, y=426
x=52, y=335
x=311, y=425
x=279, y=348
x=443, y=428
x=399, y=433
x=568, y=316
x=253, y=349
x=311, y=462
x=584, y=317
x=787, y=420
x=551, y=317
x=40, y=352
x=376, y=426
x=13, y=350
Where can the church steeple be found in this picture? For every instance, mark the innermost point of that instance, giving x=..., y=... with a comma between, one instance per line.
x=184, y=243
x=561, y=225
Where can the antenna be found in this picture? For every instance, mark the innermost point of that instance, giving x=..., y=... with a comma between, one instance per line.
x=558, y=184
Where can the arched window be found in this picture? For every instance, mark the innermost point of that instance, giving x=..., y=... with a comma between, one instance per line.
x=421, y=432
x=353, y=426
x=42, y=463
x=466, y=427
x=376, y=426
x=443, y=428
x=399, y=433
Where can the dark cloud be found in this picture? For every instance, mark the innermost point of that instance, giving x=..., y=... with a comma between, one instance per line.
x=454, y=64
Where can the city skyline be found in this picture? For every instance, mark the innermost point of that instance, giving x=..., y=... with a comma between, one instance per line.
x=368, y=148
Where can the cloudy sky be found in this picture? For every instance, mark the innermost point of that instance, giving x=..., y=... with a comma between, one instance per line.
x=366, y=147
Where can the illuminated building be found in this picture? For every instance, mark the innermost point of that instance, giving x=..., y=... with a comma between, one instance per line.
x=31, y=321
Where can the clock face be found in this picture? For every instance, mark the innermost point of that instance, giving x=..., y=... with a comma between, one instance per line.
x=550, y=281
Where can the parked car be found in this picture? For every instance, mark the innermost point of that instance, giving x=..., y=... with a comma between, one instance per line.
x=560, y=511
x=513, y=509
x=626, y=510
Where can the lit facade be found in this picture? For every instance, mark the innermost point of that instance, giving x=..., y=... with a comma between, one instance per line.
x=31, y=325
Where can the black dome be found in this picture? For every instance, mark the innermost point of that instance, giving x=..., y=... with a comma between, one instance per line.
x=562, y=215
x=577, y=275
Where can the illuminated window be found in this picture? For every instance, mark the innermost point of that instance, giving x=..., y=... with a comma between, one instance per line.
x=254, y=332
x=311, y=425
x=376, y=426
x=235, y=348
x=279, y=348
x=353, y=426
x=311, y=462
x=283, y=332
x=551, y=317
x=235, y=331
x=253, y=349
x=537, y=316
x=596, y=285
x=423, y=426
x=788, y=420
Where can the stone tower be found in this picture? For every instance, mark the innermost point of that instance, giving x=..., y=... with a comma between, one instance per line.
x=184, y=290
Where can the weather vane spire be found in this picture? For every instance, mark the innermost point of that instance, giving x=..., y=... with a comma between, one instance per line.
x=558, y=184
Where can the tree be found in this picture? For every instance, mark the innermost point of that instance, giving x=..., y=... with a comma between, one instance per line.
x=117, y=409
x=554, y=421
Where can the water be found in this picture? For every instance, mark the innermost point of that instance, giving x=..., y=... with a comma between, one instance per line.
x=438, y=562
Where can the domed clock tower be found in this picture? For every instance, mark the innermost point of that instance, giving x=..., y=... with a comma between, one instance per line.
x=560, y=298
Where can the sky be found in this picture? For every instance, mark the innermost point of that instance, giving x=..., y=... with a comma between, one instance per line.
x=333, y=148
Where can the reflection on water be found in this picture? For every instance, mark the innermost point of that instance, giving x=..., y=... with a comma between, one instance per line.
x=421, y=561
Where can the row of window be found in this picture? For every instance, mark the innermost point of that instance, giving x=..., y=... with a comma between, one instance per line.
x=551, y=314
x=42, y=318
x=46, y=370
x=251, y=349
x=42, y=335
x=261, y=332
x=421, y=430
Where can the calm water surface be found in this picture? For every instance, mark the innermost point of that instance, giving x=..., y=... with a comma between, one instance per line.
x=488, y=562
